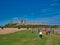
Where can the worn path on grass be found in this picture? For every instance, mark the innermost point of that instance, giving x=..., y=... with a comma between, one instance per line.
x=49, y=40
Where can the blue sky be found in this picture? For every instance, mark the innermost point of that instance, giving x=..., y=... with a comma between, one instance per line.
x=47, y=11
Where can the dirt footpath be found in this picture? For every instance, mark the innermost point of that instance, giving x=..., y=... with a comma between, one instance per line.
x=10, y=30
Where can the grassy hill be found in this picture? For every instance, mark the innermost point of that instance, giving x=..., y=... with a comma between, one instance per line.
x=28, y=38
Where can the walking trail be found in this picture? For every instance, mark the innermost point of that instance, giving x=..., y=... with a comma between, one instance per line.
x=49, y=41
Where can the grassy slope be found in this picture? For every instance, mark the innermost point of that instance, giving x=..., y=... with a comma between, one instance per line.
x=28, y=38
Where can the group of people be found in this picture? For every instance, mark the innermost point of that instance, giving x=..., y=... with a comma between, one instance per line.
x=46, y=31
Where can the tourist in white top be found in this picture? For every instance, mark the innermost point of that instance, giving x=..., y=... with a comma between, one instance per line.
x=40, y=34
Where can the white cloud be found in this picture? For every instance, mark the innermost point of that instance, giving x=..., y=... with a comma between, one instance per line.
x=50, y=11
x=53, y=4
x=50, y=20
x=32, y=13
x=15, y=19
x=55, y=0
x=46, y=10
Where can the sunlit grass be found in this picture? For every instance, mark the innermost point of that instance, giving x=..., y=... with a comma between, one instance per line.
x=28, y=38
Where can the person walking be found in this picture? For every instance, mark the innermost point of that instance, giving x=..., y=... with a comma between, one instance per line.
x=40, y=34
x=46, y=31
x=49, y=31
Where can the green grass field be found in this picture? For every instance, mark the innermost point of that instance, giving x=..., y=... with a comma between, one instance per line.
x=28, y=38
